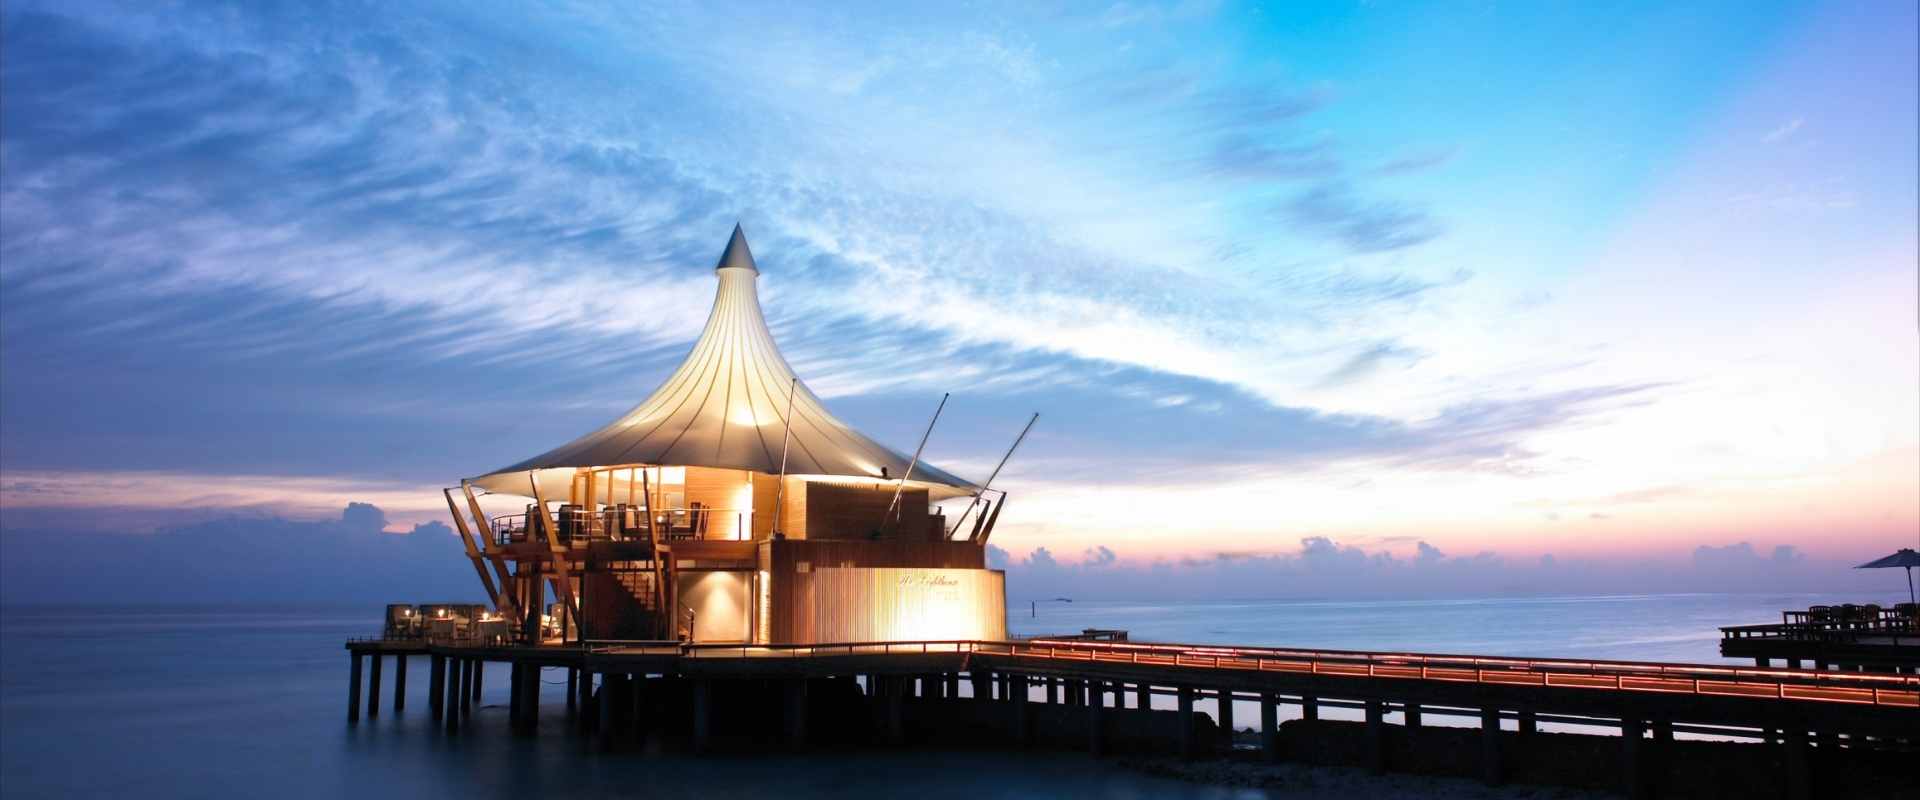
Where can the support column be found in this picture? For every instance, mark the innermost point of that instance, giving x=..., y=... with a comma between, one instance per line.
x=466, y=687
x=796, y=716
x=1270, y=726
x=373, y=686
x=513, y=695
x=1022, y=730
x=1412, y=713
x=450, y=704
x=353, y=688
x=1056, y=691
x=1761, y=661
x=892, y=689
x=435, y=664
x=479, y=675
x=982, y=684
x=1377, y=735
x=1145, y=698
x=1633, y=755
x=702, y=713
x=1529, y=723
x=1309, y=707
x=1491, y=769
x=1187, y=749
x=600, y=719
x=1660, y=761
x=573, y=693
x=400, y=683
x=530, y=705
x=953, y=686
x=1096, y=718
x=1799, y=776
x=1224, y=705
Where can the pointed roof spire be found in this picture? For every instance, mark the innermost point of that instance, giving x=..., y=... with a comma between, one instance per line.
x=737, y=256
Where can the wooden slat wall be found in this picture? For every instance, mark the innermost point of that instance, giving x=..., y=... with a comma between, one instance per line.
x=843, y=511
x=895, y=604
x=792, y=603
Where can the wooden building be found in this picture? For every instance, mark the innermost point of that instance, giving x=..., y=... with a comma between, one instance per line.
x=731, y=506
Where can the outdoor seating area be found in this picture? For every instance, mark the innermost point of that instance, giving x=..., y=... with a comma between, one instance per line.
x=1870, y=617
x=616, y=523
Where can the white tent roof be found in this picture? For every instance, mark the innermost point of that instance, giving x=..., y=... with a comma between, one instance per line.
x=726, y=407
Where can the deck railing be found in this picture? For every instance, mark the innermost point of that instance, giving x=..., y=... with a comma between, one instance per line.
x=1624, y=676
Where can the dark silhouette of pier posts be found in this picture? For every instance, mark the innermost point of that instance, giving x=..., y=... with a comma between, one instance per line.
x=373, y=687
x=796, y=716
x=1144, y=700
x=1377, y=735
x=1528, y=724
x=1411, y=714
x=479, y=674
x=1096, y=718
x=1491, y=769
x=1270, y=726
x=436, y=675
x=1187, y=749
x=450, y=705
x=513, y=695
x=1633, y=768
x=1799, y=775
x=982, y=684
x=467, y=669
x=953, y=686
x=353, y=689
x=530, y=698
x=1309, y=708
x=1223, y=703
x=1019, y=687
x=400, y=683
x=702, y=714
x=573, y=692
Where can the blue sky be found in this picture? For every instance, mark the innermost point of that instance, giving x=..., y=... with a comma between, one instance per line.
x=1599, y=280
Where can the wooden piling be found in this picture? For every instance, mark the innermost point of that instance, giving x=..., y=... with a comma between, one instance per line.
x=400, y=683
x=1022, y=729
x=451, y=705
x=1377, y=735
x=1491, y=769
x=373, y=686
x=479, y=673
x=1270, y=726
x=1223, y=704
x=1187, y=748
x=1309, y=707
x=796, y=716
x=466, y=687
x=573, y=693
x=1096, y=718
x=1411, y=713
x=1144, y=696
x=1633, y=733
x=530, y=704
x=353, y=688
x=1799, y=776
x=1528, y=723
x=435, y=666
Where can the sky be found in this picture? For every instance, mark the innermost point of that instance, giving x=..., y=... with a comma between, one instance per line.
x=1464, y=296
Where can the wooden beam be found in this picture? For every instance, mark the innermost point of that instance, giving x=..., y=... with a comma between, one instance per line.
x=473, y=553
x=563, y=585
x=510, y=605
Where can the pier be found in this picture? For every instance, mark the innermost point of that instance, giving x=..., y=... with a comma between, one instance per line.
x=1845, y=638
x=1129, y=697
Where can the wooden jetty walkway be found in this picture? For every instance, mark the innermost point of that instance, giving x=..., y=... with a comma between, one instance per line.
x=1109, y=685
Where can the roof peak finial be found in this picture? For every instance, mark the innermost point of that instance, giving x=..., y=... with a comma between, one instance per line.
x=737, y=255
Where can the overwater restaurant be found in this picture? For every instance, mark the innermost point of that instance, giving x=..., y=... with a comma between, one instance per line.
x=731, y=506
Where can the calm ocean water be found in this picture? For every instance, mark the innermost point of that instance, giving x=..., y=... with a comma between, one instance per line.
x=226, y=702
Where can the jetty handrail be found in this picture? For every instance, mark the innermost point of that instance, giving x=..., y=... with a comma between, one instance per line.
x=1626, y=676
x=1654, y=668
x=1698, y=679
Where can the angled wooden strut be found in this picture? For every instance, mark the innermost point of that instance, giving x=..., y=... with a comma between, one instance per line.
x=473, y=553
x=562, y=580
x=509, y=606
